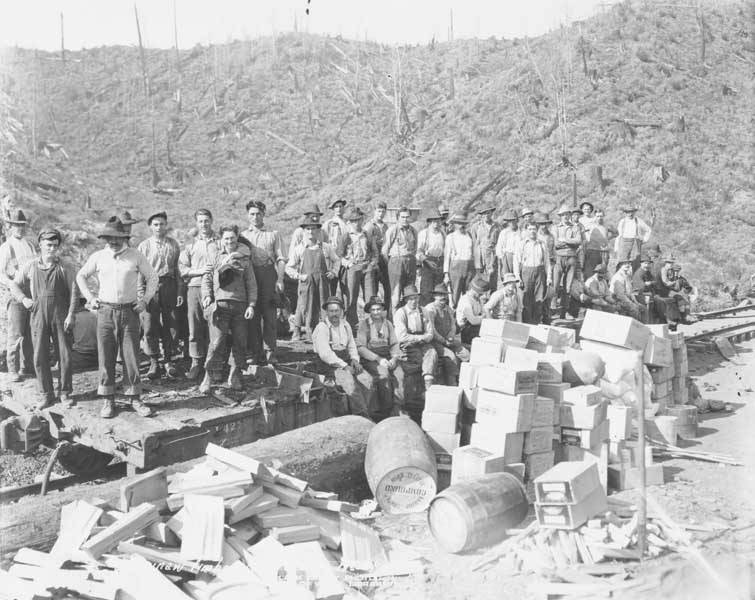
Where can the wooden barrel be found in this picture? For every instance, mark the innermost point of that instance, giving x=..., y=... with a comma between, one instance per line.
x=477, y=512
x=686, y=420
x=400, y=466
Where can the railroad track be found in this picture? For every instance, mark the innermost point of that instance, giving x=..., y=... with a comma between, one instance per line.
x=745, y=305
x=729, y=323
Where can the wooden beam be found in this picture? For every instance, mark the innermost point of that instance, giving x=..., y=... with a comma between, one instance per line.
x=148, y=487
x=286, y=496
x=281, y=516
x=202, y=534
x=77, y=520
x=139, y=518
x=295, y=533
x=259, y=506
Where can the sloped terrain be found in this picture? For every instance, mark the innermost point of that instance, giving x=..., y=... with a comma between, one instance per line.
x=644, y=103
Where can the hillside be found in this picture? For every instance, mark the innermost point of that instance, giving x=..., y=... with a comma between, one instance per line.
x=645, y=102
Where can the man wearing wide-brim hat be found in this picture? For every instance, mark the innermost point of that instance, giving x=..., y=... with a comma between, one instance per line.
x=532, y=269
x=415, y=335
x=15, y=252
x=622, y=289
x=297, y=236
x=469, y=310
x=431, y=242
x=376, y=229
x=380, y=352
x=485, y=236
x=338, y=357
x=400, y=254
x=118, y=303
x=568, y=244
x=313, y=264
x=446, y=339
x=360, y=258
x=336, y=232
x=47, y=288
x=504, y=302
x=598, y=291
x=508, y=239
x=460, y=260
x=543, y=222
x=644, y=285
x=673, y=303
x=525, y=218
x=597, y=242
x=633, y=232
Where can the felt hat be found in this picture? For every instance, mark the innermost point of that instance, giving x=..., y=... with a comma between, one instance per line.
x=479, y=285
x=586, y=203
x=646, y=258
x=509, y=278
x=310, y=221
x=459, y=218
x=433, y=215
x=127, y=219
x=332, y=300
x=620, y=263
x=542, y=219
x=599, y=269
x=527, y=211
x=374, y=301
x=158, y=215
x=17, y=217
x=354, y=214
x=443, y=210
x=670, y=259
x=313, y=210
x=50, y=234
x=113, y=228
x=409, y=291
x=564, y=209
x=628, y=208
x=510, y=215
x=486, y=208
x=576, y=211
x=336, y=201
x=440, y=290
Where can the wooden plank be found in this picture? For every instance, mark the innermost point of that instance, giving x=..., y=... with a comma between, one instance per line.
x=77, y=519
x=329, y=524
x=310, y=557
x=286, y=496
x=224, y=492
x=296, y=533
x=170, y=558
x=139, y=518
x=360, y=546
x=202, y=534
x=331, y=505
x=235, y=505
x=264, y=503
x=138, y=578
x=149, y=487
x=281, y=516
x=160, y=532
x=240, y=462
x=193, y=485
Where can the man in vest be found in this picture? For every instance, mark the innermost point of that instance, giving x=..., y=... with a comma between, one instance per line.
x=469, y=310
x=118, y=303
x=361, y=257
x=269, y=265
x=313, y=264
x=400, y=253
x=431, y=242
x=632, y=233
x=338, y=357
x=52, y=297
x=507, y=242
x=414, y=331
x=446, y=339
x=376, y=228
x=159, y=320
x=673, y=304
x=568, y=243
x=531, y=268
x=485, y=236
x=459, y=260
x=15, y=252
x=623, y=291
x=380, y=352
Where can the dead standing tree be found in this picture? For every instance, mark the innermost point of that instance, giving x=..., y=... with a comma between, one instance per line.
x=143, y=60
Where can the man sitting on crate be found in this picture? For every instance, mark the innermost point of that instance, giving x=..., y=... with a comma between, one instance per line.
x=673, y=294
x=598, y=292
x=469, y=310
x=446, y=338
x=338, y=357
x=414, y=330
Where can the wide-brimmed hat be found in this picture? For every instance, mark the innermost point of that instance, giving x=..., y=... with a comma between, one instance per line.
x=332, y=300
x=564, y=209
x=510, y=215
x=599, y=269
x=158, y=215
x=433, y=215
x=486, y=208
x=459, y=218
x=588, y=203
x=313, y=210
x=113, y=228
x=17, y=217
x=479, y=285
x=509, y=278
x=373, y=301
x=443, y=210
x=354, y=214
x=646, y=258
x=127, y=219
x=50, y=234
x=440, y=290
x=336, y=201
x=409, y=291
x=620, y=263
x=527, y=211
x=670, y=259
x=576, y=211
x=310, y=221
x=629, y=208
x=542, y=219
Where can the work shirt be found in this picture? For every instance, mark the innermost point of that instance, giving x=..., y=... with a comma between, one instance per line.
x=24, y=279
x=335, y=232
x=469, y=310
x=503, y=305
x=485, y=237
x=294, y=264
x=328, y=338
x=550, y=243
x=14, y=253
x=162, y=255
x=621, y=287
x=361, y=251
x=297, y=238
x=430, y=244
x=241, y=287
x=531, y=253
x=267, y=246
x=196, y=256
x=634, y=229
x=443, y=318
x=597, y=238
x=459, y=246
x=376, y=230
x=642, y=277
x=118, y=275
x=370, y=336
x=400, y=242
x=588, y=223
x=598, y=289
x=508, y=240
x=568, y=239
x=411, y=325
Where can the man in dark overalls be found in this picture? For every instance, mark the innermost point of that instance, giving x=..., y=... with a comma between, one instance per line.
x=51, y=299
x=313, y=264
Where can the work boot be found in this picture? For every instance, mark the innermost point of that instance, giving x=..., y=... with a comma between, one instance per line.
x=194, y=370
x=154, y=369
x=108, y=408
x=295, y=334
x=66, y=401
x=140, y=408
x=206, y=385
x=43, y=403
x=234, y=380
x=16, y=377
x=170, y=370
x=429, y=379
x=270, y=357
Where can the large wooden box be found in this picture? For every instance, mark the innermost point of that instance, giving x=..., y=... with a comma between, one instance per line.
x=613, y=329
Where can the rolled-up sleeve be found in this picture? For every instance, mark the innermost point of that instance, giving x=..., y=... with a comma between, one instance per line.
x=89, y=269
x=292, y=266
x=322, y=347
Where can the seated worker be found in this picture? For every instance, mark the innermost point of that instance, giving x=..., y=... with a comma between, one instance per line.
x=469, y=310
x=84, y=347
x=598, y=292
x=643, y=281
x=379, y=349
x=338, y=358
x=623, y=292
x=672, y=291
x=414, y=331
x=504, y=303
x=446, y=340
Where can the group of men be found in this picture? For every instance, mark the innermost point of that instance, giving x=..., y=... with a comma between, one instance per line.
x=425, y=293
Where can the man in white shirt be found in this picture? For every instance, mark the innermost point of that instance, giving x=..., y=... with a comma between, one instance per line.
x=414, y=331
x=360, y=257
x=459, y=261
x=16, y=252
x=469, y=310
x=532, y=269
x=632, y=233
x=507, y=242
x=338, y=356
x=622, y=290
x=400, y=253
x=431, y=242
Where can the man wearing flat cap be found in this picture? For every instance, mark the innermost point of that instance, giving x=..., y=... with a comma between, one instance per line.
x=118, y=303
x=15, y=252
x=507, y=242
x=485, y=236
x=336, y=349
x=159, y=320
x=431, y=242
x=51, y=299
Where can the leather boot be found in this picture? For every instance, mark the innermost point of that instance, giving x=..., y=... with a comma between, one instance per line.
x=195, y=369
x=154, y=369
x=140, y=408
x=108, y=408
x=234, y=379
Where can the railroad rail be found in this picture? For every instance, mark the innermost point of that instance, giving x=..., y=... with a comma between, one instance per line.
x=746, y=304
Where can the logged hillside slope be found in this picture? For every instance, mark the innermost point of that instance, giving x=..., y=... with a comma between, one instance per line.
x=644, y=103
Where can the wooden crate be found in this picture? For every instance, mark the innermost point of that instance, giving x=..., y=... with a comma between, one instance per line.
x=507, y=413
x=443, y=399
x=619, y=422
x=444, y=441
x=621, y=477
x=567, y=482
x=550, y=367
x=614, y=329
x=470, y=462
x=521, y=359
x=513, y=333
x=600, y=455
x=489, y=437
x=543, y=410
x=582, y=395
x=507, y=381
x=486, y=351
x=537, y=464
x=468, y=375
x=552, y=390
x=658, y=352
x=586, y=438
x=571, y=516
x=440, y=422
x=538, y=439
x=582, y=417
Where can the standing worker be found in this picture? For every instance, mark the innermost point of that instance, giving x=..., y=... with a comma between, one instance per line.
x=52, y=297
x=527, y=217
x=431, y=243
x=159, y=320
x=298, y=235
x=632, y=233
x=269, y=266
x=568, y=242
x=376, y=228
x=15, y=252
x=531, y=268
x=336, y=233
x=400, y=253
x=596, y=244
x=507, y=242
x=485, y=236
x=459, y=261
x=360, y=258
x=118, y=304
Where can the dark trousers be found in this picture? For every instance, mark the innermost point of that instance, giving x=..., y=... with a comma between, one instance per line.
x=402, y=271
x=262, y=327
x=449, y=358
x=46, y=325
x=227, y=318
x=461, y=273
x=20, y=352
x=469, y=332
x=507, y=264
x=159, y=320
x=431, y=274
x=593, y=258
x=118, y=329
x=535, y=280
x=374, y=278
x=387, y=397
x=198, y=330
x=355, y=277
x=563, y=277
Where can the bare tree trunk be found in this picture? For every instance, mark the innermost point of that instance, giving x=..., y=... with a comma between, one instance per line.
x=62, y=41
x=179, y=77
x=451, y=26
x=145, y=79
